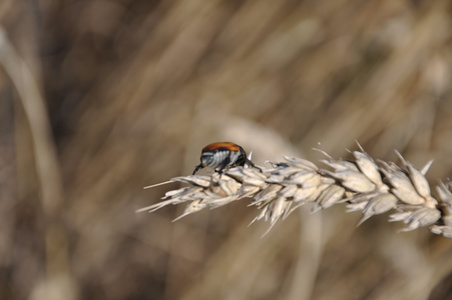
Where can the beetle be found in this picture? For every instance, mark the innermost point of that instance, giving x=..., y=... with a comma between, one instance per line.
x=223, y=155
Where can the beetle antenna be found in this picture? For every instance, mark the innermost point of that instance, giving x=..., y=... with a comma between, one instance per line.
x=200, y=166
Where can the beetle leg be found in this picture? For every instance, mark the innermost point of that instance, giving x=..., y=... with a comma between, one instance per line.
x=224, y=165
x=251, y=164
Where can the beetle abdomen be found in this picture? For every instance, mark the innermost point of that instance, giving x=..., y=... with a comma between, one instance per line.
x=218, y=158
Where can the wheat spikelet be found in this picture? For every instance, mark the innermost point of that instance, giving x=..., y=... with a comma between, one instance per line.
x=365, y=185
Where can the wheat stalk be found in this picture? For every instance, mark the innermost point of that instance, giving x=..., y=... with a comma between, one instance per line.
x=365, y=185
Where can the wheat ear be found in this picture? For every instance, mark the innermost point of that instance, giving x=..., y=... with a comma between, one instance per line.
x=365, y=185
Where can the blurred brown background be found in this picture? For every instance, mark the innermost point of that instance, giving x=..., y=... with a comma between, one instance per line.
x=100, y=98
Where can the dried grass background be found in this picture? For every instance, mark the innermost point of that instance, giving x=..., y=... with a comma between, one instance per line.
x=101, y=98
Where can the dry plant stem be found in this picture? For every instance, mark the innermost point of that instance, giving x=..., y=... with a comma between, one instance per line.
x=311, y=243
x=360, y=182
x=43, y=149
